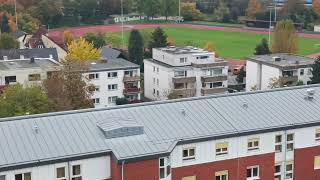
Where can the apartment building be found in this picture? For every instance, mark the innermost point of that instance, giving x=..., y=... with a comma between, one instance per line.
x=184, y=72
x=26, y=71
x=263, y=135
x=113, y=79
x=288, y=70
x=15, y=54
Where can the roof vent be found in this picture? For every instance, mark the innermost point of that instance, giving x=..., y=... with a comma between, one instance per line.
x=183, y=112
x=276, y=58
x=310, y=94
x=36, y=129
x=32, y=60
x=116, y=127
x=105, y=60
x=245, y=105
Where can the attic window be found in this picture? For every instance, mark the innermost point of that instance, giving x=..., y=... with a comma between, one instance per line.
x=116, y=127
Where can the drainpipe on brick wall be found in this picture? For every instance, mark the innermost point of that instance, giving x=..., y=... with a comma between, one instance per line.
x=122, y=170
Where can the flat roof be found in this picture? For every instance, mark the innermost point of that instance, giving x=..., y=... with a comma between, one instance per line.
x=111, y=64
x=287, y=60
x=182, y=50
x=44, y=138
x=20, y=64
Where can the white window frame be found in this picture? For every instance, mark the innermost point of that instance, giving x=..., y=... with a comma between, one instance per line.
x=315, y=160
x=290, y=142
x=76, y=176
x=95, y=76
x=111, y=75
x=188, y=157
x=166, y=165
x=220, y=174
x=279, y=174
x=183, y=60
x=112, y=87
x=289, y=171
x=65, y=173
x=96, y=100
x=252, y=177
x=178, y=73
x=317, y=135
x=23, y=174
x=252, y=144
x=112, y=99
x=3, y=175
x=221, y=151
x=278, y=144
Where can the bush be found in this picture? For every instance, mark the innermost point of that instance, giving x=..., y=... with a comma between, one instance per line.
x=122, y=101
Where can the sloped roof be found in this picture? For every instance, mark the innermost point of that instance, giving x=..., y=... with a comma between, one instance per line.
x=75, y=133
x=29, y=53
x=110, y=53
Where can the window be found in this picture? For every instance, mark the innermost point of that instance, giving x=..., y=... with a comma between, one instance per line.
x=154, y=69
x=189, y=178
x=96, y=100
x=158, y=94
x=180, y=74
x=213, y=72
x=253, y=144
x=154, y=80
x=34, y=77
x=278, y=143
x=24, y=176
x=96, y=88
x=301, y=72
x=2, y=177
x=10, y=79
x=112, y=87
x=253, y=172
x=309, y=71
x=317, y=134
x=289, y=170
x=202, y=57
x=112, y=74
x=221, y=175
x=164, y=167
x=215, y=85
x=61, y=173
x=183, y=60
x=76, y=172
x=317, y=162
x=277, y=172
x=154, y=91
x=290, y=142
x=188, y=153
x=158, y=82
x=93, y=76
x=221, y=148
x=112, y=99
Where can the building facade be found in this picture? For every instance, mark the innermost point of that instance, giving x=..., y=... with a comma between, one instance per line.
x=184, y=72
x=287, y=70
x=249, y=136
x=113, y=79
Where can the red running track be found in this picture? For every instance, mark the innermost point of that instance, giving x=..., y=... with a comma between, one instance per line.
x=57, y=34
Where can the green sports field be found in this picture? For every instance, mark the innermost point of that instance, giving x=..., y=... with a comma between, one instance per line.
x=236, y=45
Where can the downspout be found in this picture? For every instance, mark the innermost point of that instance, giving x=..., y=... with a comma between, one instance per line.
x=68, y=166
x=285, y=155
x=122, y=170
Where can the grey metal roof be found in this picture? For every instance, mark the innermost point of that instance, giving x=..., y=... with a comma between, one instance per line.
x=111, y=64
x=75, y=133
x=29, y=53
x=286, y=60
x=26, y=64
x=109, y=53
x=182, y=50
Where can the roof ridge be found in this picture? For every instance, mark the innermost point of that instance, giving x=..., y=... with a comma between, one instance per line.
x=152, y=103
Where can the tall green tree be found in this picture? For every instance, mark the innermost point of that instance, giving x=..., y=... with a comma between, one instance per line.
x=17, y=100
x=98, y=40
x=151, y=8
x=285, y=38
x=222, y=13
x=315, y=79
x=158, y=39
x=8, y=42
x=262, y=48
x=5, y=28
x=169, y=7
x=135, y=47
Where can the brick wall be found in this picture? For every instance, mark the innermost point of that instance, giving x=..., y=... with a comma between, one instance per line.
x=304, y=163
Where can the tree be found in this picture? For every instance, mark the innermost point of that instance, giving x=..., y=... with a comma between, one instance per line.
x=5, y=28
x=98, y=40
x=222, y=13
x=315, y=79
x=151, y=8
x=8, y=42
x=47, y=11
x=158, y=39
x=82, y=50
x=275, y=83
x=171, y=41
x=17, y=101
x=285, y=38
x=254, y=7
x=169, y=7
x=316, y=6
x=293, y=7
x=67, y=37
x=189, y=12
x=262, y=48
x=7, y=23
x=68, y=89
x=114, y=40
x=135, y=47
x=211, y=48
x=242, y=74
x=27, y=23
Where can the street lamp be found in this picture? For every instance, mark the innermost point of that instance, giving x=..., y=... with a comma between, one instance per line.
x=122, y=33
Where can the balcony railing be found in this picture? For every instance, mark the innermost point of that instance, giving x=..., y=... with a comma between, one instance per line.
x=208, y=91
x=214, y=78
x=184, y=79
x=185, y=92
x=133, y=90
x=288, y=79
x=131, y=78
x=209, y=65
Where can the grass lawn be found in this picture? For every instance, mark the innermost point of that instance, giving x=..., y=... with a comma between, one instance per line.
x=236, y=45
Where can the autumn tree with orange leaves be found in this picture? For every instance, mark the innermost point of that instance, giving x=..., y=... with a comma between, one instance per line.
x=316, y=6
x=7, y=23
x=254, y=7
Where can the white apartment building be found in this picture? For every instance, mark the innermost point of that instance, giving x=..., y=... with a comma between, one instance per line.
x=288, y=69
x=112, y=79
x=26, y=71
x=184, y=72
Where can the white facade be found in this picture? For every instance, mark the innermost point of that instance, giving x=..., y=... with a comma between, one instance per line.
x=90, y=169
x=112, y=84
x=260, y=75
x=184, y=71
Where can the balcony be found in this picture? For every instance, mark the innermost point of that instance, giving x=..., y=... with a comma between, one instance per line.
x=288, y=79
x=210, y=65
x=207, y=91
x=185, y=92
x=184, y=80
x=131, y=78
x=214, y=78
x=131, y=91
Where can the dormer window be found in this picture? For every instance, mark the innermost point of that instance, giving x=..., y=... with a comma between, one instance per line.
x=183, y=60
x=5, y=58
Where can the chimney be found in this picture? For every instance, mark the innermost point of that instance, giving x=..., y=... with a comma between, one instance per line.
x=104, y=60
x=32, y=60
